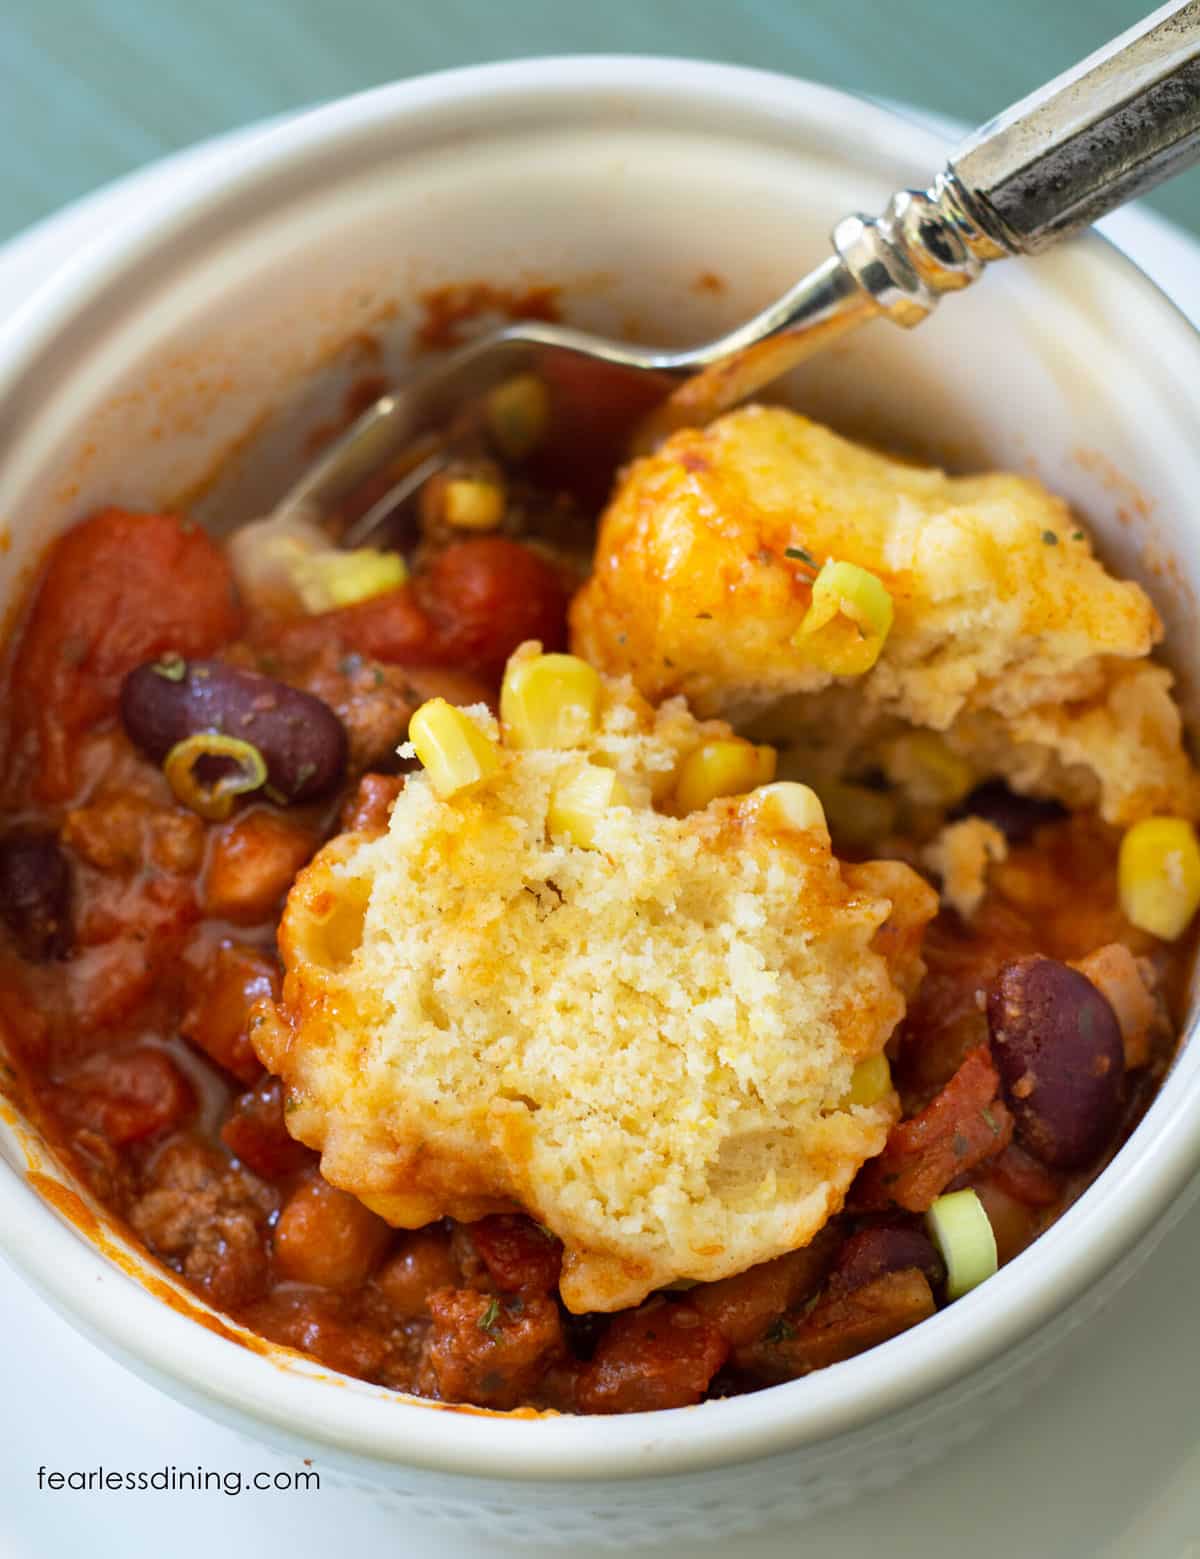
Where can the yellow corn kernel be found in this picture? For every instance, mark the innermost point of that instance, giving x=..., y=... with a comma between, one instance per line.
x=455, y=752
x=581, y=796
x=549, y=701
x=518, y=414
x=469, y=503
x=848, y=620
x=788, y=804
x=927, y=770
x=858, y=816
x=1158, y=875
x=329, y=578
x=870, y=1083
x=728, y=766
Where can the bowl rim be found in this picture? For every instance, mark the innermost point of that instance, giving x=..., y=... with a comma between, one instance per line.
x=368, y=1422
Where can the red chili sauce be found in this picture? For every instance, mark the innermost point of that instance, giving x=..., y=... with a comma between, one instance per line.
x=136, y=937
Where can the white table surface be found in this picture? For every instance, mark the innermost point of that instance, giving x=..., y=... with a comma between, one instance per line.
x=1101, y=1463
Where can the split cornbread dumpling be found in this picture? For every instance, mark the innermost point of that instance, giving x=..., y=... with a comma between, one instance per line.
x=648, y=1041
x=1009, y=637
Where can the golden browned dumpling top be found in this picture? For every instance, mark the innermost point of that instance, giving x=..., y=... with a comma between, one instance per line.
x=1006, y=635
x=566, y=981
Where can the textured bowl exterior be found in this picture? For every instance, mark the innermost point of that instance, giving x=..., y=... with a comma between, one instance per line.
x=132, y=372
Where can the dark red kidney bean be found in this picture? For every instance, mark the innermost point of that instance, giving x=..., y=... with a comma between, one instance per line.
x=1058, y=1049
x=1017, y=817
x=871, y=1253
x=35, y=895
x=301, y=739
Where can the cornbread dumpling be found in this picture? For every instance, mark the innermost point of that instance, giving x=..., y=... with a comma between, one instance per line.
x=643, y=1029
x=960, y=856
x=1007, y=634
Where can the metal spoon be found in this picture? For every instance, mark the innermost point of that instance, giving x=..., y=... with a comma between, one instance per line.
x=1125, y=118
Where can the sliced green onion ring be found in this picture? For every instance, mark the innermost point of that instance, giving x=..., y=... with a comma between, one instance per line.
x=958, y=1225
x=213, y=799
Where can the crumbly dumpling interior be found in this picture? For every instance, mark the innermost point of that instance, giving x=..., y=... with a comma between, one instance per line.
x=646, y=1044
x=1009, y=636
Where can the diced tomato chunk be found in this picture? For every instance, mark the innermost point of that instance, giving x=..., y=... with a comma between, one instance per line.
x=126, y=1096
x=390, y=627
x=518, y=1253
x=1014, y=1222
x=842, y=1324
x=24, y=1028
x=256, y=1133
x=323, y=1324
x=125, y=832
x=369, y=808
x=489, y=595
x=1020, y=1174
x=945, y=1017
x=222, y=996
x=119, y=589
x=475, y=603
x=155, y=911
x=741, y=1307
x=961, y=1127
x=252, y=863
x=662, y=1355
x=130, y=937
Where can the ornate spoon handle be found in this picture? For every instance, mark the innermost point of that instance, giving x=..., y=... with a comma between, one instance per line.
x=1123, y=119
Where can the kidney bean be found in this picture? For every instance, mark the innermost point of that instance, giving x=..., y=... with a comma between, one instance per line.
x=300, y=738
x=1017, y=817
x=1059, y=1053
x=35, y=895
x=871, y=1253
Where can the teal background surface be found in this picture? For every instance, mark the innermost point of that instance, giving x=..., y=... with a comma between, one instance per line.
x=90, y=89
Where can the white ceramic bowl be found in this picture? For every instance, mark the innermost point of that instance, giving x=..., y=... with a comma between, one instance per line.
x=145, y=360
